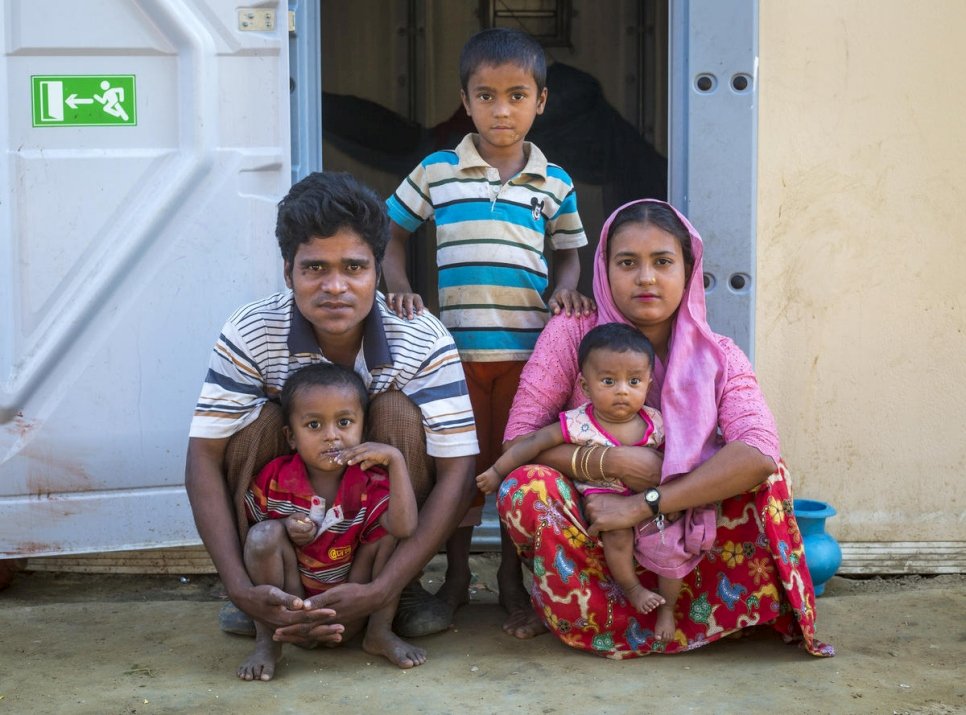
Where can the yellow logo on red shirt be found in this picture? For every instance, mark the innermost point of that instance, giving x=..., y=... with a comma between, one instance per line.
x=340, y=553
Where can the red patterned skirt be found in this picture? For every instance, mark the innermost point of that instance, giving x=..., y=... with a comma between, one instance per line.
x=754, y=575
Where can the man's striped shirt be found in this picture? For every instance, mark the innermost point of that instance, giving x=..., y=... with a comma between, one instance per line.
x=490, y=243
x=264, y=342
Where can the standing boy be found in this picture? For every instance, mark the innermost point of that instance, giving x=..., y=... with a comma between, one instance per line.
x=495, y=200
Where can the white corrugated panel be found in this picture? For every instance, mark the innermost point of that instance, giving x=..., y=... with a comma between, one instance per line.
x=134, y=217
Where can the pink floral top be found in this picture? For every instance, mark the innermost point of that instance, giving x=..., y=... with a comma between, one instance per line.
x=580, y=426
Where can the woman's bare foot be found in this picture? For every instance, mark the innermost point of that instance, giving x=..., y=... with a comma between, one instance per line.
x=644, y=600
x=393, y=648
x=664, y=626
x=522, y=621
x=260, y=665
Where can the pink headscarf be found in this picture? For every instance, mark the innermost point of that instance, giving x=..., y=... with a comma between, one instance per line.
x=696, y=368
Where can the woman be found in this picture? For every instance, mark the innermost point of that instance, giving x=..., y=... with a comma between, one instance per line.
x=721, y=446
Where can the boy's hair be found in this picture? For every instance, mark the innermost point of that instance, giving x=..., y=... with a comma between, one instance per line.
x=322, y=374
x=497, y=46
x=323, y=203
x=618, y=337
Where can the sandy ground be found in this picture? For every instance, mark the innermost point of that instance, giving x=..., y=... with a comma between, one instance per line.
x=72, y=643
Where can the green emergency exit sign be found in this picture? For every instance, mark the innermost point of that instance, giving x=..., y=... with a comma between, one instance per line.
x=83, y=100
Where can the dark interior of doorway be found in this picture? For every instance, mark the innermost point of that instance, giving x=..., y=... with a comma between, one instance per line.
x=605, y=121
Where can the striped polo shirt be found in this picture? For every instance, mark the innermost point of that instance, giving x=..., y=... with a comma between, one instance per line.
x=490, y=240
x=264, y=342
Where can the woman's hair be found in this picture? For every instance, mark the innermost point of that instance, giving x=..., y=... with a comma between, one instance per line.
x=619, y=337
x=660, y=216
x=497, y=46
x=323, y=374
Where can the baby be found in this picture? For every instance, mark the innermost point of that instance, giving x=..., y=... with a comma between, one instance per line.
x=615, y=373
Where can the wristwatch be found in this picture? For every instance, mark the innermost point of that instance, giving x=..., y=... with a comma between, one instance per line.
x=653, y=499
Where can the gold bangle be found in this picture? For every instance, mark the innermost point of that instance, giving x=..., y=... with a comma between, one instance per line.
x=600, y=465
x=581, y=475
x=573, y=463
x=585, y=465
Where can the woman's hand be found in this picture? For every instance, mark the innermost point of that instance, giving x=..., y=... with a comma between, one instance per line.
x=637, y=467
x=609, y=512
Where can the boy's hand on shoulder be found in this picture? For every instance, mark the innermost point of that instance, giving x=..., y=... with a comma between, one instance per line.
x=370, y=454
x=570, y=302
x=405, y=305
x=301, y=529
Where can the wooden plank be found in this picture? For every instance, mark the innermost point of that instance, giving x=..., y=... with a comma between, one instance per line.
x=179, y=560
x=858, y=558
x=903, y=557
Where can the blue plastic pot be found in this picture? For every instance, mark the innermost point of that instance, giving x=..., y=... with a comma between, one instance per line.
x=823, y=555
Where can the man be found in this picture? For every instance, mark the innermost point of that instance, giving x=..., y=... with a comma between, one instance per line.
x=332, y=233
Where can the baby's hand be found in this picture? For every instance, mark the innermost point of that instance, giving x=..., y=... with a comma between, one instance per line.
x=405, y=305
x=570, y=302
x=301, y=529
x=369, y=454
x=489, y=481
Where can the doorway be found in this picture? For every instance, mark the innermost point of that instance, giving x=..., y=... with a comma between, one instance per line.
x=390, y=86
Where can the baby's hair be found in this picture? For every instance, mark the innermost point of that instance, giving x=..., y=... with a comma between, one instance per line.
x=619, y=337
x=323, y=374
x=497, y=46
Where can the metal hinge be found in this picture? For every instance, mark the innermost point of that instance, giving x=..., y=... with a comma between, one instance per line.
x=256, y=19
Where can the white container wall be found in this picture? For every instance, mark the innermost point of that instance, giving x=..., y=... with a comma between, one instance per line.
x=145, y=145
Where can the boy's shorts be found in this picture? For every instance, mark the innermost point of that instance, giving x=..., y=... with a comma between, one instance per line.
x=492, y=386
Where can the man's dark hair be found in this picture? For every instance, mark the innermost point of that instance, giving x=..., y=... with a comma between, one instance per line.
x=323, y=203
x=619, y=337
x=322, y=374
x=497, y=46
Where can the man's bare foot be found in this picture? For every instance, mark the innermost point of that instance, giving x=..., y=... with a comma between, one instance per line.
x=260, y=665
x=664, y=626
x=522, y=621
x=393, y=648
x=644, y=600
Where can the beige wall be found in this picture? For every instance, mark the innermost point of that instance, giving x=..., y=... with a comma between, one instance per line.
x=861, y=331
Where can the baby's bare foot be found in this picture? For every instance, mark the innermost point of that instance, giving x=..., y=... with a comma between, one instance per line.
x=260, y=665
x=664, y=626
x=644, y=600
x=393, y=648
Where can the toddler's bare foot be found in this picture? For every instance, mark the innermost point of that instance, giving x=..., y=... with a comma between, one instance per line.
x=644, y=600
x=664, y=626
x=393, y=648
x=260, y=665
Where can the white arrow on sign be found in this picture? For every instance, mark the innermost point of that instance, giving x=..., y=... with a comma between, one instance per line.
x=73, y=100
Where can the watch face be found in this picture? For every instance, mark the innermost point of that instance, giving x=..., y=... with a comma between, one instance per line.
x=652, y=495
